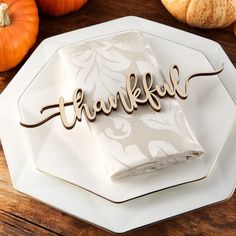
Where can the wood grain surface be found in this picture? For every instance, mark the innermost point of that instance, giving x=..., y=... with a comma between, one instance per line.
x=22, y=215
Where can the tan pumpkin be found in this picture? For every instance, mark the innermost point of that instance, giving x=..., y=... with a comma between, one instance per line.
x=59, y=7
x=203, y=13
x=18, y=31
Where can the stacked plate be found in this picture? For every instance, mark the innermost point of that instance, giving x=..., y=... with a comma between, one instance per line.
x=66, y=173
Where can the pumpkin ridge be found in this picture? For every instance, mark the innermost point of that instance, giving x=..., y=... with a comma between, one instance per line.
x=23, y=30
x=22, y=12
x=17, y=6
x=9, y=49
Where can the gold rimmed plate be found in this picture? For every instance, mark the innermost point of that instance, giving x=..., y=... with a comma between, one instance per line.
x=72, y=155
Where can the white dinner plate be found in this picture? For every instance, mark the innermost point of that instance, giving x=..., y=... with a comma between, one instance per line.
x=87, y=206
x=68, y=154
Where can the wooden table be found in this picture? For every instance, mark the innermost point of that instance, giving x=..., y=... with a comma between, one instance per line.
x=22, y=215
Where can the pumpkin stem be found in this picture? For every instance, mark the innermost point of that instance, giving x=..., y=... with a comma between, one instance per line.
x=4, y=18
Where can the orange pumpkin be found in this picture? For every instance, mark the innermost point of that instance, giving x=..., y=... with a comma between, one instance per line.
x=18, y=31
x=59, y=7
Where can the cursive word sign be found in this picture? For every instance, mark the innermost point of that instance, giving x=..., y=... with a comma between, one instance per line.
x=134, y=96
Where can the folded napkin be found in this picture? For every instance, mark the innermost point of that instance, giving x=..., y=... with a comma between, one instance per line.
x=145, y=140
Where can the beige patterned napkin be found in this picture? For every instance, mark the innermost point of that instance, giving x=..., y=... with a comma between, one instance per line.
x=145, y=140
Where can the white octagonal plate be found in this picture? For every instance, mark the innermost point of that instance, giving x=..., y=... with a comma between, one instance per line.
x=68, y=154
x=87, y=206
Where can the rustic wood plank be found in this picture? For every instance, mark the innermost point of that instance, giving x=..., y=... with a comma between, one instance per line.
x=21, y=225
x=22, y=215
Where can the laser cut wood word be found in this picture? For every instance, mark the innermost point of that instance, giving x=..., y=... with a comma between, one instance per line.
x=134, y=96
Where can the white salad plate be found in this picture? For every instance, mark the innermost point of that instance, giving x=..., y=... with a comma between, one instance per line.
x=68, y=154
x=218, y=186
